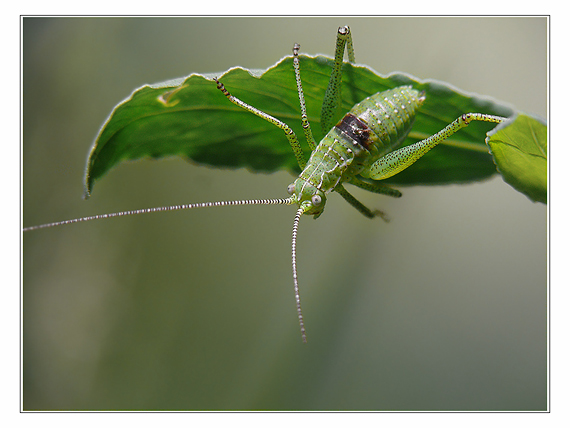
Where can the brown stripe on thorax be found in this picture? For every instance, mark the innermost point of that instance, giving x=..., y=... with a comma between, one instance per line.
x=355, y=129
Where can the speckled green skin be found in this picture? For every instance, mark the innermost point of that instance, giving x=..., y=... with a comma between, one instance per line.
x=348, y=150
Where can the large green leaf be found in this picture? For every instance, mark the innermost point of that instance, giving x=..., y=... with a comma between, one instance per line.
x=191, y=118
x=519, y=148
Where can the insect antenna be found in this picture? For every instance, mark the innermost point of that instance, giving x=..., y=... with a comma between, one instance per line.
x=282, y=201
x=295, y=280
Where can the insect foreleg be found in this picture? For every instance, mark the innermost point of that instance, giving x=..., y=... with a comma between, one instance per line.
x=380, y=188
x=400, y=159
x=291, y=136
x=359, y=205
x=331, y=100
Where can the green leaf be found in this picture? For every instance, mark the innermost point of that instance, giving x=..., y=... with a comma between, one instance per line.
x=519, y=148
x=191, y=118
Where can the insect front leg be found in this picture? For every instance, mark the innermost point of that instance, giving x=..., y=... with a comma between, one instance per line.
x=331, y=101
x=289, y=133
x=400, y=159
x=304, y=120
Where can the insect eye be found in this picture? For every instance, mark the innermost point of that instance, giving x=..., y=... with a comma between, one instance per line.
x=291, y=188
x=316, y=200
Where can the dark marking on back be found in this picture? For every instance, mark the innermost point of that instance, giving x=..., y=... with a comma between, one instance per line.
x=355, y=129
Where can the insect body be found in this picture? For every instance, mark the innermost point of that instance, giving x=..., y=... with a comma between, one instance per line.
x=372, y=128
x=361, y=148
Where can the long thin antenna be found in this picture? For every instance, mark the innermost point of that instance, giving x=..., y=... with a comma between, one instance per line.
x=287, y=201
x=295, y=280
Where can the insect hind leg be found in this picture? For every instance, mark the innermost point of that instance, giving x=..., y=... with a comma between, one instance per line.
x=400, y=159
x=331, y=100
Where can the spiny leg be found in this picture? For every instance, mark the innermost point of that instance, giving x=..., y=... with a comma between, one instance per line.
x=304, y=120
x=359, y=205
x=331, y=100
x=398, y=160
x=379, y=188
x=281, y=125
x=349, y=47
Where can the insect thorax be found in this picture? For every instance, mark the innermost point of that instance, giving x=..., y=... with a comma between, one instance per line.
x=373, y=127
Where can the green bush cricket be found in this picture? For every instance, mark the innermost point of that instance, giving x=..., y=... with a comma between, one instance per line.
x=362, y=148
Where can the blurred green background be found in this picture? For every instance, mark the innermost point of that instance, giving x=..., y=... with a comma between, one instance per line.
x=443, y=308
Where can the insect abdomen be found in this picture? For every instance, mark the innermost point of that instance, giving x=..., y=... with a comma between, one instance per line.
x=389, y=116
